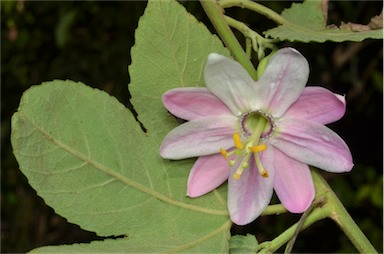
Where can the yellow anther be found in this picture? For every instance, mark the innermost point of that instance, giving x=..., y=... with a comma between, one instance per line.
x=259, y=148
x=264, y=173
x=240, y=170
x=236, y=176
x=224, y=153
x=231, y=163
x=260, y=167
x=237, y=141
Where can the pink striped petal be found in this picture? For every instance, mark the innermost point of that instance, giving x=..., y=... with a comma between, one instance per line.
x=249, y=195
x=199, y=137
x=208, y=173
x=319, y=105
x=282, y=82
x=314, y=144
x=191, y=103
x=293, y=183
x=230, y=82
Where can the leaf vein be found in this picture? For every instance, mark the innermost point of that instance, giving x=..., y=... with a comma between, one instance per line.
x=125, y=179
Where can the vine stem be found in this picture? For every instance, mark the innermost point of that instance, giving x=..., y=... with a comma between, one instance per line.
x=274, y=209
x=259, y=43
x=331, y=207
x=342, y=218
x=216, y=16
x=272, y=246
x=318, y=203
x=256, y=7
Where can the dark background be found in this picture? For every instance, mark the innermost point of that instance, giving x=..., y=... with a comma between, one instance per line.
x=90, y=42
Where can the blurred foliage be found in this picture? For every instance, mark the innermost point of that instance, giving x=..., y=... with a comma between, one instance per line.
x=89, y=41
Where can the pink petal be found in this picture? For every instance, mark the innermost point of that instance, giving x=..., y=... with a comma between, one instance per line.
x=319, y=105
x=282, y=82
x=191, y=103
x=251, y=194
x=199, y=137
x=208, y=173
x=293, y=183
x=230, y=82
x=313, y=144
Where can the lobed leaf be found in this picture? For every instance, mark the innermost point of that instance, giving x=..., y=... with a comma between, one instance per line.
x=87, y=156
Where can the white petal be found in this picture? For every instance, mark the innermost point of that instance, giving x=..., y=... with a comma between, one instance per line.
x=282, y=82
x=230, y=82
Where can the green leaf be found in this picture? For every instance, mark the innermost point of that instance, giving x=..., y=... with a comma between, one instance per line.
x=305, y=22
x=171, y=50
x=242, y=244
x=86, y=155
x=138, y=245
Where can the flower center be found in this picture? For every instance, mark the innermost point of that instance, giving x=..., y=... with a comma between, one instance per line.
x=248, y=122
x=256, y=126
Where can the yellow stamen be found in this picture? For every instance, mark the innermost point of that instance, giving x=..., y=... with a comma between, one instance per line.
x=244, y=152
x=236, y=176
x=237, y=141
x=238, y=173
x=240, y=170
x=264, y=173
x=260, y=167
x=224, y=153
x=259, y=148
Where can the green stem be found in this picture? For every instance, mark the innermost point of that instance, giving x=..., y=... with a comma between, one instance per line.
x=275, y=244
x=333, y=209
x=339, y=214
x=245, y=30
x=317, y=203
x=215, y=14
x=248, y=47
x=253, y=6
x=259, y=43
x=274, y=209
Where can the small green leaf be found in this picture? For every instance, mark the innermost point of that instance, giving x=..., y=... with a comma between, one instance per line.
x=242, y=244
x=305, y=22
